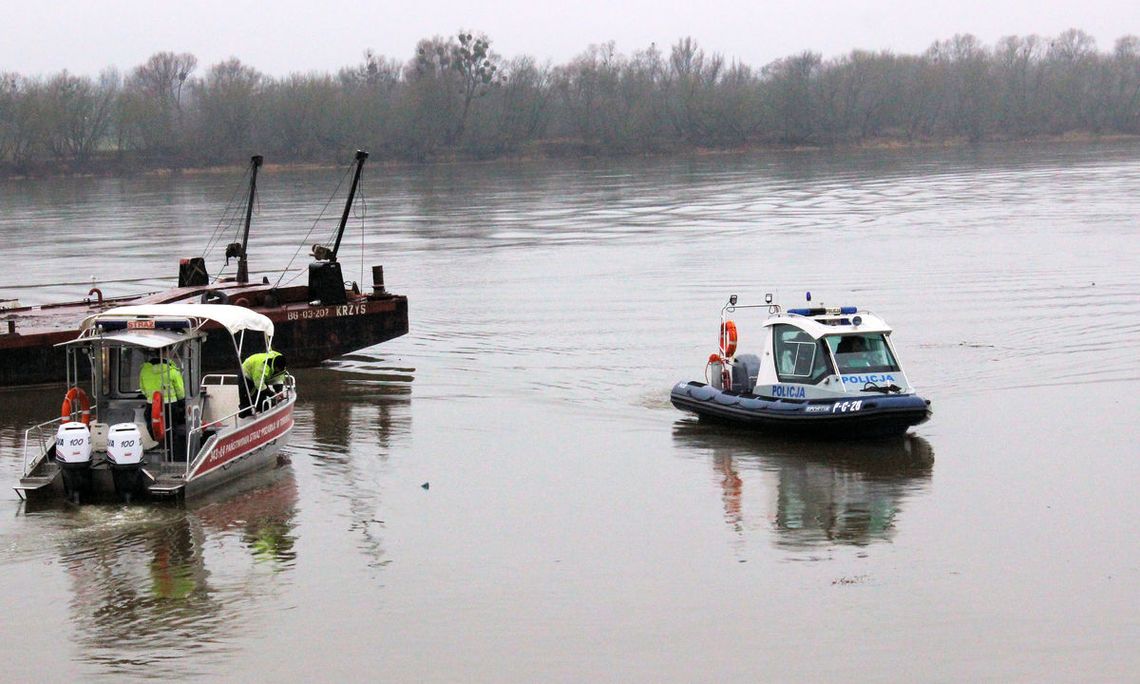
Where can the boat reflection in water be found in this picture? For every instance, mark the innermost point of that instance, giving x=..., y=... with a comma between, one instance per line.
x=817, y=493
x=142, y=589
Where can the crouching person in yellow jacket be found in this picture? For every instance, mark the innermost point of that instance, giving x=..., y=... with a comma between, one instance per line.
x=262, y=370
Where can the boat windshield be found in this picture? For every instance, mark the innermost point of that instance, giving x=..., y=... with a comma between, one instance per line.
x=799, y=358
x=864, y=353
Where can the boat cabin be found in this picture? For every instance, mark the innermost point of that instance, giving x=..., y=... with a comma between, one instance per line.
x=819, y=353
x=120, y=356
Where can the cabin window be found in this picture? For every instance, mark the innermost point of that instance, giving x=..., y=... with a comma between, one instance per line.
x=127, y=372
x=128, y=361
x=866, y=353
x=799, y=357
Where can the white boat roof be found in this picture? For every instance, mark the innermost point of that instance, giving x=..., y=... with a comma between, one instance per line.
x=233, y=318
x=831, y=324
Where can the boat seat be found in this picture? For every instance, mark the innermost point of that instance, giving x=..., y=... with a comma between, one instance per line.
x=219, y=402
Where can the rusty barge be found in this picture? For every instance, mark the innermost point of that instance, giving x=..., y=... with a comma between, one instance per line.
x=321, y=320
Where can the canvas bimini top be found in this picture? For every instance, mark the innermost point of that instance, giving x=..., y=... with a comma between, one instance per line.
x=235, y=319
x=147, y=339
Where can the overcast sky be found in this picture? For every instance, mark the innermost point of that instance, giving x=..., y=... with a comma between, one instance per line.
x=287, y=36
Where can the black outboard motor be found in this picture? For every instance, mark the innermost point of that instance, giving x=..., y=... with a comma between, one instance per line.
x=745, y=369
x=125, y=454
x=73, y=453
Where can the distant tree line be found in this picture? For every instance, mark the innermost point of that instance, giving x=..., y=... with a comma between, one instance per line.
x=456, y=98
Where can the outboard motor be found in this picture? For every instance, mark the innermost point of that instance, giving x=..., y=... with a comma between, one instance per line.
x=125, y=454
x=745, y=369
x=73, y=453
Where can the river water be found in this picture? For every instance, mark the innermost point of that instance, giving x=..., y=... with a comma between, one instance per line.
x=506, y=493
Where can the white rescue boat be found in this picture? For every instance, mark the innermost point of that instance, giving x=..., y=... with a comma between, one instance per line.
x=111, y=442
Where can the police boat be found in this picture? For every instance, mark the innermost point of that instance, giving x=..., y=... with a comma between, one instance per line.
x=818, y=371
x=195, y=430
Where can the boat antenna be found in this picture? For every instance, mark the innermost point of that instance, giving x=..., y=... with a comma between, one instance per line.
x=240, y=249
x=361, y=156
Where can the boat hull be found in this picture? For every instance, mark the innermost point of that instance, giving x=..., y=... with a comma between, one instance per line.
x=861, y=416
x=230, y=456
x=239, y=452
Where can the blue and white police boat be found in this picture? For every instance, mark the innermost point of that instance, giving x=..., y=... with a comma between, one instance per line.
x=819, y=371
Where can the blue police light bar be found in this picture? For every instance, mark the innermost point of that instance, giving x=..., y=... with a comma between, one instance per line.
x=820, y=311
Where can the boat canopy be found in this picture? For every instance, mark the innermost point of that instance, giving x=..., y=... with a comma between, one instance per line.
x=235, y=319
x=150, y=339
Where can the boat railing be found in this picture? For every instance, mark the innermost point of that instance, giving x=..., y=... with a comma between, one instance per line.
x=732, y=306
x=229, y=399
x=191, y=459
x=196, y=427
x=43, y=440
x=268, y=401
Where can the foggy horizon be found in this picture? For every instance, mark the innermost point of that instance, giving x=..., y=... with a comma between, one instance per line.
x=85, y=39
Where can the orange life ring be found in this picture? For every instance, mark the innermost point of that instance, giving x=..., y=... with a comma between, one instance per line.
x=728, y=338
x=157, y=423
x=76, y=397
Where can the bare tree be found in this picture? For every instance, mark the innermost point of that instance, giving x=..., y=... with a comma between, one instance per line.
x=1071, y=63
x=1018, y=77
x=80, y=112
x=1126, y=70
x=691, y=81
x=228, y=99
x=478, y=70
x=790, y=88
x=153, y=105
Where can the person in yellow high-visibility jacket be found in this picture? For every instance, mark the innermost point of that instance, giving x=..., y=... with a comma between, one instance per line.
x=158, y=375
x=267, y=368
x=161, y=376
